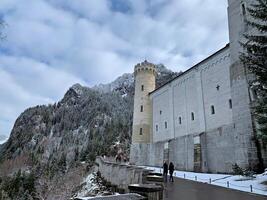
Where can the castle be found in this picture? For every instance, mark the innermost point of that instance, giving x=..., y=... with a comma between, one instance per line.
x=201, y=120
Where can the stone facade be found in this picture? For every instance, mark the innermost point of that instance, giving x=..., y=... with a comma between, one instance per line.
x=201, y=120
x=121, y=175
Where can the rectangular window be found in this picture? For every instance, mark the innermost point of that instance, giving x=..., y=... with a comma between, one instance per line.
x=166, y=125
x=212, y=110
x=180, y=120
x=142, y=109
x=192, y=116
x=230, y=103
x=157, y=128
x=141, y=131
x=142, y=87
x=244, y=10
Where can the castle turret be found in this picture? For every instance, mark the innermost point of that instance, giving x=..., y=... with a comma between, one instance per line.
x=142, y=117
x=247, y=152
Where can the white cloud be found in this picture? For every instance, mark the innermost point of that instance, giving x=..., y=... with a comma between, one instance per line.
x=52, y=44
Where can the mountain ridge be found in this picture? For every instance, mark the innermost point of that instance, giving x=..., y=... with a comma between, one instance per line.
x=51, y=140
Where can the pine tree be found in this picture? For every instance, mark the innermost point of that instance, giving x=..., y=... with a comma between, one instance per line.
x=254, y=59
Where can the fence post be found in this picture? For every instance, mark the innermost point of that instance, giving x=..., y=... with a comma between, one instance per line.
x=196, y=178
x=184, y=176
x=228, y=184
x=251, y=189
x=210, y=180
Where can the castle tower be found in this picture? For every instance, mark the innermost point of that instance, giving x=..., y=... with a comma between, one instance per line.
x=246, y=150
x=142, y=117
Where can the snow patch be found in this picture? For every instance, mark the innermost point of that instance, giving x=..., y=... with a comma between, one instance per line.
x=89, y=185
x=240, y=183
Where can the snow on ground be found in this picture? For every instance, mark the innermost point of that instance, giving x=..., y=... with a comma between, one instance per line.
x=224, y=180
x=89, y=185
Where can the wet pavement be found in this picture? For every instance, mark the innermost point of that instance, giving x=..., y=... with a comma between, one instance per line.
x=183, y=189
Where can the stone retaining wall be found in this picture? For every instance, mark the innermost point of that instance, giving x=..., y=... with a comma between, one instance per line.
x=120, y=174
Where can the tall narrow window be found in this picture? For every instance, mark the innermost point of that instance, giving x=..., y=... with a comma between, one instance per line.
x=142, y=87
x=212, y=110
x=192, y=116
x=160, y=112
x=180, y=120
x=244, y=11
x=142, y=108
x=166, y=125
x=157, y=128
x=230, y=104
x=141, y=131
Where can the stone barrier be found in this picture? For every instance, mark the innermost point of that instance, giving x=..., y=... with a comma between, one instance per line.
x=120, y=174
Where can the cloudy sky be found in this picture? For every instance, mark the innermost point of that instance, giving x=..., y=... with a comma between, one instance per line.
x=52, y=44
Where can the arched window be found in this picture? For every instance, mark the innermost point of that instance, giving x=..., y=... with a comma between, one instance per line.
x=230, y=104
x=192, y=116
x=166, y=125
x=244, y=14
x=142, y=108
x=157, y=128
x=244, y=10
x=212, y=110
x=180, y=120
x=142, y=87
x=141, y=131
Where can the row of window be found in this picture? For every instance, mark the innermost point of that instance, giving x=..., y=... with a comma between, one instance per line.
x=193, y=115
x=212, y=108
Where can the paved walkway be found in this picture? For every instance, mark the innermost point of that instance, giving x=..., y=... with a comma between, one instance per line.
x=183, y=189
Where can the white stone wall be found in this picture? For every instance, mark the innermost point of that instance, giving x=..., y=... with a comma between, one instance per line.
x=194, y=92
x=217, y=92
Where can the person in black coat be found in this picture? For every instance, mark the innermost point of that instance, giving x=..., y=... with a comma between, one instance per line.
x=165, y=171
x=171, y=170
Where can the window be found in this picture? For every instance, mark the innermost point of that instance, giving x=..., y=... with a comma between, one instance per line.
x=218, y=87
x=230, y=103
x=244, y=11
x=141, y=131
x=192, y=116
x=142, y=109
x=142, y=87
x=212, y=110
x=157, y=128
x=180, y=120
x=160, y=112
x=166, y=125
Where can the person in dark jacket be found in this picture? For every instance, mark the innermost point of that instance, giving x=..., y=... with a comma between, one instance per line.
x=171, y=170
x=165, y=171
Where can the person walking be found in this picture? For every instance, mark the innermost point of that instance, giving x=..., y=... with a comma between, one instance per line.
x=165, y=171
x=171, y=170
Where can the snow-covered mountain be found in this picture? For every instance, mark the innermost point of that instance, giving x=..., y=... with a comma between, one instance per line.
x=51, y=141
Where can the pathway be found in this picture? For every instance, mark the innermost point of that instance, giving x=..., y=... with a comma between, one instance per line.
x=183, y=189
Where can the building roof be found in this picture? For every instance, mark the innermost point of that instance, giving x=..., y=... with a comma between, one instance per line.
x=196, y=65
